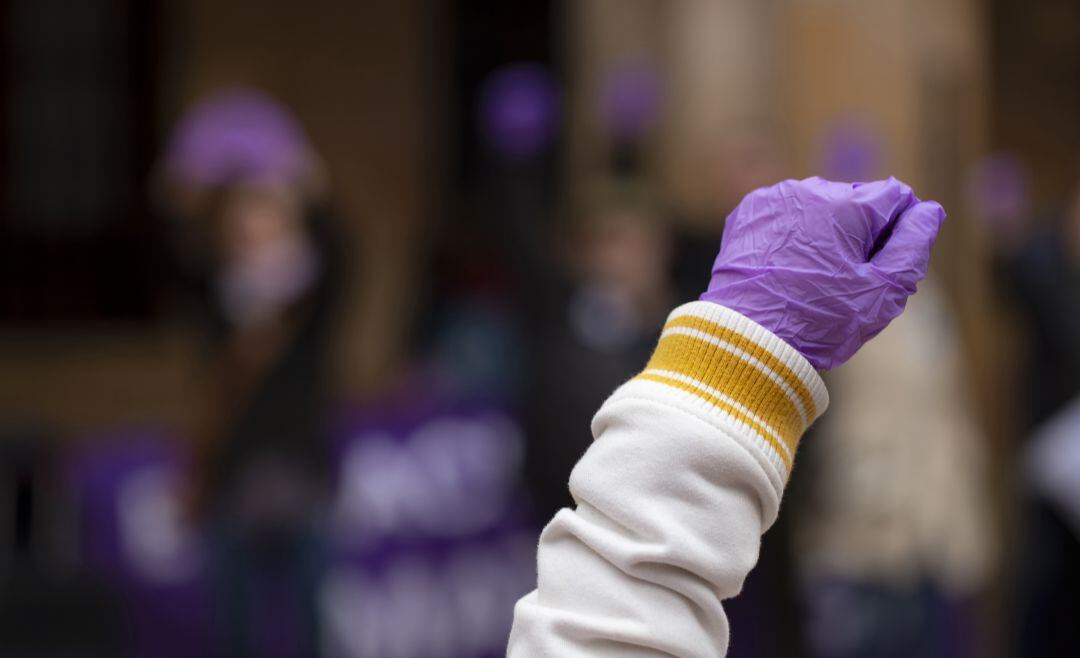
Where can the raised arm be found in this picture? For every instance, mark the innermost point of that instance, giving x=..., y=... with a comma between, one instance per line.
x=691, y=457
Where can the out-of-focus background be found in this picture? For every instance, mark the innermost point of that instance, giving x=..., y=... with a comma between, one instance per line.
x=305, y=308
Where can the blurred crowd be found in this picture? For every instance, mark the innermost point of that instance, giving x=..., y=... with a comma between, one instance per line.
x=285, y=515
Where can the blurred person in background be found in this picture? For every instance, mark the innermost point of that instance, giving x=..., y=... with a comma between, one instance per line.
x=892, y=531
x=587, y=296
x=1037, y=258
x=477, y=297
x=1037, y=261
x=595, y=324
x=894, y=538
x=259, y=250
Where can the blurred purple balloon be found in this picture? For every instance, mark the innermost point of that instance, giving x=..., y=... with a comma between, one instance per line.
x=519, y=109
x=852, y=153
x=237, y=133
x=631, y=100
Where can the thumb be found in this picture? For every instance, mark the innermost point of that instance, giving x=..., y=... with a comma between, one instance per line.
x=905, y=257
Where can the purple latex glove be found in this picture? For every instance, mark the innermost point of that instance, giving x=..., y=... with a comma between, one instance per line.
x=824, y=266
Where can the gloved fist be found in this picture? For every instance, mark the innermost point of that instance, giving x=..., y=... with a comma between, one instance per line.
x=825, y=266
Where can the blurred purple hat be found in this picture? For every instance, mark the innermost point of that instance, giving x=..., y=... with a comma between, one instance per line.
x=631, y=99
x=237, y=132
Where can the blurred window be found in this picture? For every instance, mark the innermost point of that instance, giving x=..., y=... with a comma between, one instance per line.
x=76, y=138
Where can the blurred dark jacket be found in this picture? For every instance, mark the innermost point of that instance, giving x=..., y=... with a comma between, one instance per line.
x=1043, y=280
x=275, y=410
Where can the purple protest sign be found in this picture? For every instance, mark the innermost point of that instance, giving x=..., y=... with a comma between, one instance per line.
x=126, y=489
x=429, y=540
x=432, y=543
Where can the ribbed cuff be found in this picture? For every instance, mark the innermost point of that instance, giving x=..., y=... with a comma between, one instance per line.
x=728, y=368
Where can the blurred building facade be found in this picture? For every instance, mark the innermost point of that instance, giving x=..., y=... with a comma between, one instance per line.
x=715, y=98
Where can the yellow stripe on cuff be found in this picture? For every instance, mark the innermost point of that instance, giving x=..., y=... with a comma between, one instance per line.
x=765, y=356
x=735, y=377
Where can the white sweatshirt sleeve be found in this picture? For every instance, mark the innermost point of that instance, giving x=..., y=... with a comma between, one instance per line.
x=686, y=471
